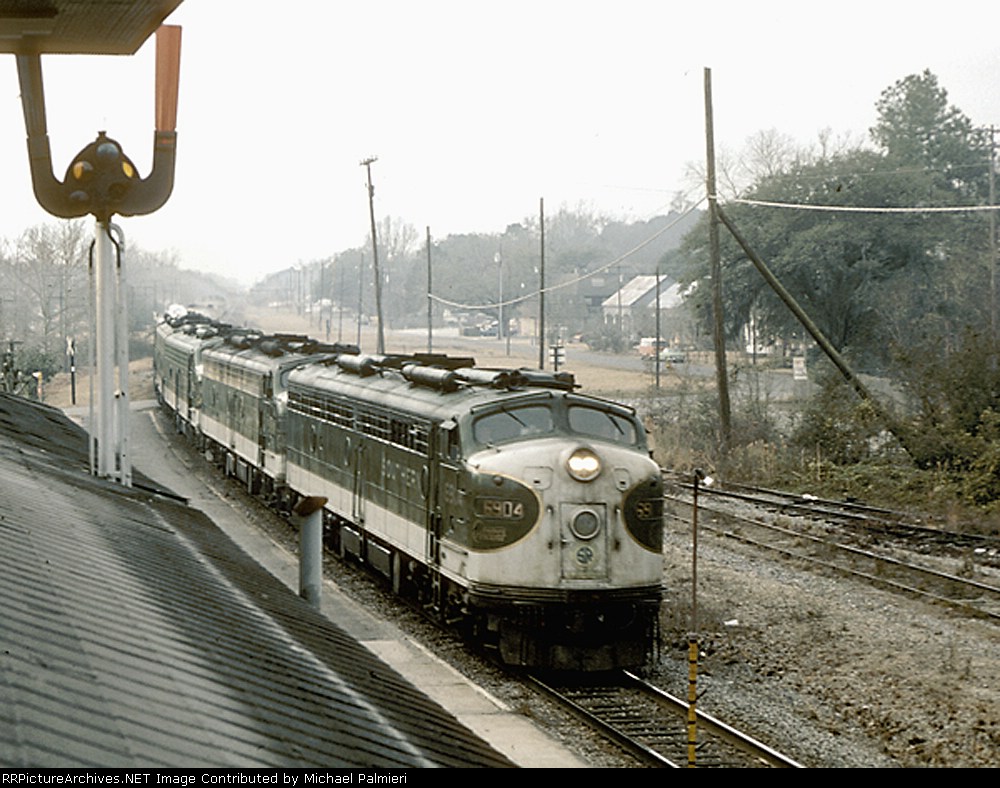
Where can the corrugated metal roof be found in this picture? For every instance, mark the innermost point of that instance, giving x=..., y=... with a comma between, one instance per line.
x=133, y=632
x=632, y=291
x=670, y=297
x=96, y=27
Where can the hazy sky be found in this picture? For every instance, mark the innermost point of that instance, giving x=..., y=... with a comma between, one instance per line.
x=474, y=109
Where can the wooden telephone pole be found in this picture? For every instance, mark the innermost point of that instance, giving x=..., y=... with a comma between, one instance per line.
x=718, y=326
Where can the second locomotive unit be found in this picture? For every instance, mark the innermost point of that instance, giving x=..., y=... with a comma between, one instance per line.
x=501, y=500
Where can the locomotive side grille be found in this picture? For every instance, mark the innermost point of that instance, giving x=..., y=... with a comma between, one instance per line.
x=493, y=595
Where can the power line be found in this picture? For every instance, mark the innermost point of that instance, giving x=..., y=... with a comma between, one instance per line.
x=580, y=278
x=862, y=209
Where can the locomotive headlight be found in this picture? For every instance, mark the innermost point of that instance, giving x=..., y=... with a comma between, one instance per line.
x=583, y=465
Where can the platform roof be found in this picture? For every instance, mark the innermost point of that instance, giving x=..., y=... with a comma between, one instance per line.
x=80, y=27
x=134, y=633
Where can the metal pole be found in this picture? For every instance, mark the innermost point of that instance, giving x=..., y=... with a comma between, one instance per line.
x=693, y=636
x=308, y=514
x=105, y=333
x=92, y=360
x=123, y=458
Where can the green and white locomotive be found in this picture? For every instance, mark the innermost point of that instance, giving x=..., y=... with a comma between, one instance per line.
x=501, y=500
x=181, y=338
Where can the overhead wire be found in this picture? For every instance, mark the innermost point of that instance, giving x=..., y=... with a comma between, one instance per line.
x=868, y=209
x=575, y=280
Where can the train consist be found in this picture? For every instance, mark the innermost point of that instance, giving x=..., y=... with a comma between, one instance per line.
x=502, y=501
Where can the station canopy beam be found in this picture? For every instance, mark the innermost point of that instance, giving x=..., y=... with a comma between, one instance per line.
x=80, y=27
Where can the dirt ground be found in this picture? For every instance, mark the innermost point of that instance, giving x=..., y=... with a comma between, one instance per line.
x=592, y=379
x=488, y=352
x=835, y=670
x=58, y=391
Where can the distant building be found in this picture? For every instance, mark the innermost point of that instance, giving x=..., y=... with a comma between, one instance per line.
x=631, y=309
x=596, y=288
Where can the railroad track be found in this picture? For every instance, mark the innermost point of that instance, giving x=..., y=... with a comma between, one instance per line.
x=862, y=541
x=653, y=726
x=872, y=519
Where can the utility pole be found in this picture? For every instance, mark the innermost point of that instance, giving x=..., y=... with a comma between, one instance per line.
x=621, y=328
x=656, y=353
x=322, y=297
x=430, y=299
x=993, y=246
x=340, y=305
x=499, y=261
x=367, y=164
x=725, y=420
x=361, y=291
x=541, y=287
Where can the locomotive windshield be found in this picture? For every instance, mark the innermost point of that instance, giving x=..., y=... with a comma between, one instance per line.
x=602, y=424
x=513, y=423
x=536, y=420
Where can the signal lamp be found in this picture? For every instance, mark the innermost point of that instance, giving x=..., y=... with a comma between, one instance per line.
x=82, y=169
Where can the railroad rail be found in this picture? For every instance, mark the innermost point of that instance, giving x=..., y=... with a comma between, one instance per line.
x=873, y=519
x=862, y=541
x=652, y=725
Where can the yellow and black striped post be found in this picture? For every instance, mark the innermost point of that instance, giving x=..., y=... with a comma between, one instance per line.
x=692, y=699
x=699, y=476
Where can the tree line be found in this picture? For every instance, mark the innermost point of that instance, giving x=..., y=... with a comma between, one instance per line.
x=45, y=298
x=470, y=274
x=889, y=245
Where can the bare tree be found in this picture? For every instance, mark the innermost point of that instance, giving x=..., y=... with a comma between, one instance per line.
x=768, y=153
x=48, y=278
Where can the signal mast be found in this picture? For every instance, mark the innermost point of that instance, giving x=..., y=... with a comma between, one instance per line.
x=102, y=181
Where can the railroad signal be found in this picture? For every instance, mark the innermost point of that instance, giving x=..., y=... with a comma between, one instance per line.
x=100, y=178
x=557, y=355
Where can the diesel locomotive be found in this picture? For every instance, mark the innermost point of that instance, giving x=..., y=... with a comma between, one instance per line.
x=503, y=501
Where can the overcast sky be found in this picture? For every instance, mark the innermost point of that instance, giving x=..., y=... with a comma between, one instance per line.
x=474, y=109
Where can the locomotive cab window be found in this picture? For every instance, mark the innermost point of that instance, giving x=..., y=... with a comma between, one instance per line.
x=448, y=443
x=512, y=424
x=602, y=424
